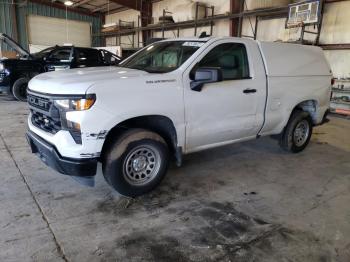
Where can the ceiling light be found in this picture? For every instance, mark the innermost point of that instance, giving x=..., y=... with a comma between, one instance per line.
x=68, y=3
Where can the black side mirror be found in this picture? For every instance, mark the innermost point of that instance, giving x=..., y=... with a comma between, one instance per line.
x=204, y=75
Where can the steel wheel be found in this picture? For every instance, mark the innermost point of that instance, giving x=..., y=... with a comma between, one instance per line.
x=135, y=162
x=141, y=165
x=297, y=133
x=301, y=133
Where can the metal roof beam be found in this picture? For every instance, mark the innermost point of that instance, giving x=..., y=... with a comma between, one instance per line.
x=99, y=8
x=115, y=10
x=81, y=3
x=63, y=7
x=132, y=4
x=236, y=7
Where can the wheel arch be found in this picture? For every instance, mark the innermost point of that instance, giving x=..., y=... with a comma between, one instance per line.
x=162, y=125
x=309, y=106
x=20, y=75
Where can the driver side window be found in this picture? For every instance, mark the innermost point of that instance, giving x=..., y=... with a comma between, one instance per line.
x=231, y=58
x=60, y=55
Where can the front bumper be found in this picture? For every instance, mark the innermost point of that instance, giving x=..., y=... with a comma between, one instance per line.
x=4, y=83
x=4, y=89
x=85, y=167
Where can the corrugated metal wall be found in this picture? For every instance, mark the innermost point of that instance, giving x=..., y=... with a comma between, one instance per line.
x=6, y=20
x=6, y=23
x=335, y=30
x=256, y=4
x=336, y=23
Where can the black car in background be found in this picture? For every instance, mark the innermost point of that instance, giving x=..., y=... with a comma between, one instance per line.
x=15, y=73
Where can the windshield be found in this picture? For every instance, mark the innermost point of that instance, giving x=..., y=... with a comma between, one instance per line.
x=163, y=57
x=44, y=52
x=11, y=49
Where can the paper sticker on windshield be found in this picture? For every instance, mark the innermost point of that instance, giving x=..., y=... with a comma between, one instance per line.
x=195, y=44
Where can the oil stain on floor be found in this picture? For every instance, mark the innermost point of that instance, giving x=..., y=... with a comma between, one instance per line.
x=211, y=231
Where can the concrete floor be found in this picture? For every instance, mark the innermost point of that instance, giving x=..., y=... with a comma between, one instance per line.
x=244, y=202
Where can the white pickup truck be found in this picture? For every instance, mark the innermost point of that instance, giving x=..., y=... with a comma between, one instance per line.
x=172, y=98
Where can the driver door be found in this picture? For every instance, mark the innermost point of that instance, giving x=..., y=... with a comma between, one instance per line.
x=229, y=110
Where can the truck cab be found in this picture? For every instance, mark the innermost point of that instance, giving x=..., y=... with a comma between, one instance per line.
x=172, y=98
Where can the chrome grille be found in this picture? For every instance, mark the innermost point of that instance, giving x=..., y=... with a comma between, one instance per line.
x=2, y=76
x=44, y=114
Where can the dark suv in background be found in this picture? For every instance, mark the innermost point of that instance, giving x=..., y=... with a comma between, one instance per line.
x=15, y=73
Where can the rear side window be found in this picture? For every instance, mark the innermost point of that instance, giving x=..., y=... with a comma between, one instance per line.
x=231, y=58
x=88, y=57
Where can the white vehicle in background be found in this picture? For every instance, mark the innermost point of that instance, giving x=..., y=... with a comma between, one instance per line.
x=172, y=98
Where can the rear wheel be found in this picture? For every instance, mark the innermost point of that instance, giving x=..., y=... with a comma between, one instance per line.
x=136, y=162
x=297, y=133
x=19, y=89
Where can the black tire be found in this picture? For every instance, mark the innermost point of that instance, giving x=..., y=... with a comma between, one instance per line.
x=10, y=95
x=19, y=89
x=290, y=140
x=119, y=166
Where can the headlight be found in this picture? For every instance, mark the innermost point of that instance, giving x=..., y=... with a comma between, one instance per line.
x=2, y=67
x=73, y=103
x=76, y=104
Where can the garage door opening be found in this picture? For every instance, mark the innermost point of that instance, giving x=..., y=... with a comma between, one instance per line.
x=48, y=31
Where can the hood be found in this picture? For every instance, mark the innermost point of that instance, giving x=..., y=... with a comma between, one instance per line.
x=12, y=43
x=78, y=81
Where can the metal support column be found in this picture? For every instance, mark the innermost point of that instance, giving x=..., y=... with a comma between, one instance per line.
x=146, y=18
x=236, y=7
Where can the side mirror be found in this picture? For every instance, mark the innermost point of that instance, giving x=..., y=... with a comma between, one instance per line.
x=204, y=75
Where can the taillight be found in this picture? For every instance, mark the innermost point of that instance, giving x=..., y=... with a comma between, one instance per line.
x=332, y=81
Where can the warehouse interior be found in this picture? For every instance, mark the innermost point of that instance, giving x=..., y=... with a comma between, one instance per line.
x=126, y=26
x=247, y=201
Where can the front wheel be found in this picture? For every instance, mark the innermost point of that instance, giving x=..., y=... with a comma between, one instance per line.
x=136, y=162
x=19, y=89
x=296, y=135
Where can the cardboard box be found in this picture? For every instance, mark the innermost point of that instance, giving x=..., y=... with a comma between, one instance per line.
x=8, y=54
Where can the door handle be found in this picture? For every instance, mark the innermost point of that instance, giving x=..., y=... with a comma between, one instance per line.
x=248, y=91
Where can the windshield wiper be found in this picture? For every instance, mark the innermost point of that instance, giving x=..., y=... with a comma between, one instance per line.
x=137, y=68
x=156, y=71
x=151, y=71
